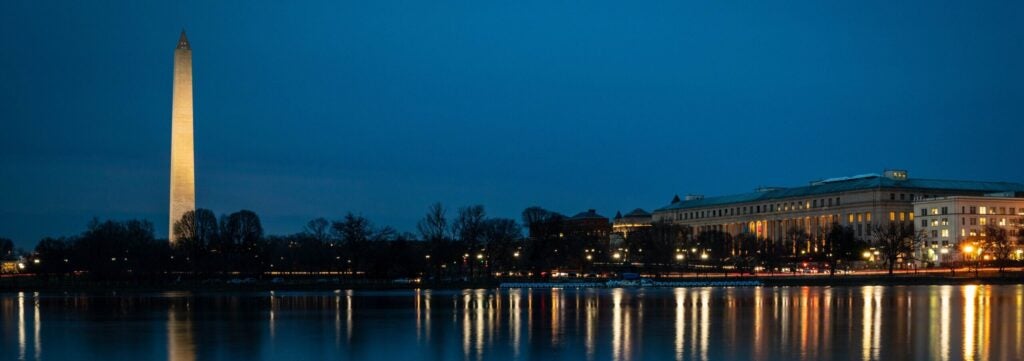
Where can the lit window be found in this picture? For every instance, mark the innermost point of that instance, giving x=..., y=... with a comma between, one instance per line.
x=867, y=216
x=903, y=216
x=850, y=216
x=935, y=211
x=860, y=217
x=945, y=233
x=892, y=216
x=981, y=210
x=983, y=221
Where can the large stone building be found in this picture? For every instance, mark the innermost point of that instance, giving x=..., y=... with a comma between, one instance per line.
x=859, y=202
x=588, y=224
x=183, y=176
x=952, y=223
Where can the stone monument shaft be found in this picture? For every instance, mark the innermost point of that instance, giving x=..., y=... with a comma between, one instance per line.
x=183, y=177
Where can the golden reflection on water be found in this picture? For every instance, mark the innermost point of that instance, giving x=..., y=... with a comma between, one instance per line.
x=180, y=342
x=873, y=322
x=680, y=299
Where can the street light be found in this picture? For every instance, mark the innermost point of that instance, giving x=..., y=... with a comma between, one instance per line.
x=679, y=256
x=616, y=255
x=703, y=256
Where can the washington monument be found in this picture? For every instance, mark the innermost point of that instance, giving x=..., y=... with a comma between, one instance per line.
x=183, y=172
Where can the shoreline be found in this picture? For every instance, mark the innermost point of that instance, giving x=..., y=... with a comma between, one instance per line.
x=41, y=285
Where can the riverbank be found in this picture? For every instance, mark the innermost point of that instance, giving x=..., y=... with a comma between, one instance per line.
x=73, y=284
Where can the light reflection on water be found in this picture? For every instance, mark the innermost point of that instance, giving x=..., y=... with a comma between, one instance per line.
x=866, y=323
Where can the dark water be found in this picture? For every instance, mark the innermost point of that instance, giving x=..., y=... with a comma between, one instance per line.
x=909, y=323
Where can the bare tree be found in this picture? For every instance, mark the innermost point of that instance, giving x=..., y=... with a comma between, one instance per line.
x=896, y=242
x=242, y=229
x=996, y=242
x=434, y=225
x=838, y=241
x=319, y=229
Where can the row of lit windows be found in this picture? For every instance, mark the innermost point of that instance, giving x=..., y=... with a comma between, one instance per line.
x=935, y=222
x=757, y=209
x=984, y=221
x=987, y=210
x=903, y=216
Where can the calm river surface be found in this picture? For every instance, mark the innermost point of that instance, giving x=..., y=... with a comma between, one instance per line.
x=791, y=323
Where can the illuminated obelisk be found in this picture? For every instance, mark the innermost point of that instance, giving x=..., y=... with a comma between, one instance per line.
x=183, y=173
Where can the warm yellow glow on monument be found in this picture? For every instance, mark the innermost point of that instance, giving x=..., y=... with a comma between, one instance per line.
x=183, y=179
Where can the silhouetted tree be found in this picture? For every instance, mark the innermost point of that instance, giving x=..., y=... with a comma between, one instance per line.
x=839, y=241
x=55, y=255
x=996, y=242
x=502, y=237
x=240, y=234
x=6, y=247
x=355, y=233
x=896, y=241
x=319, y=229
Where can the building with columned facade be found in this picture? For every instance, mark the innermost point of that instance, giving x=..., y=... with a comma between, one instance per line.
x=860, y=202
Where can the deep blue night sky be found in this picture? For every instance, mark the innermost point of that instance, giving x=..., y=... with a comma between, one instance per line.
x=383, y=107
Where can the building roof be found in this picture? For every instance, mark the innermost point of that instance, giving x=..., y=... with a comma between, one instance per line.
x=637, y=213
x=838, y=185
x=590, y=214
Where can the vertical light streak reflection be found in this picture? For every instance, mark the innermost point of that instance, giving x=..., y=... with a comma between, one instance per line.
x=21, y=325
x=705, y=321
x=337, y=318
x=984, y=316
x=680, y=296
x=803, y=300
x=348, y=315
x=876, y=334
x=617, y=326
x=694, y=323
x=466, y=324
x=419, y=315
x=945, y=295
x=479, y=303
x=970, y=293
x=1019, y=312
x=427, y=298
x=36, y=327
x=827, y=323
x=556, y=315
x=515, y=318
x=872, y=321
x=180, y=342
x=591, y=325
x=758, y=323
x=271, y=323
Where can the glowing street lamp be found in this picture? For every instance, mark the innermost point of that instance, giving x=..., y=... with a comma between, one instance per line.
x=679, y=256
x=703, y=256
x=616, y=255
